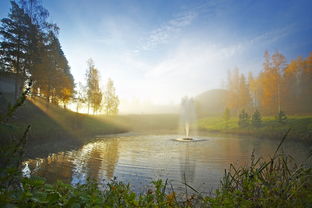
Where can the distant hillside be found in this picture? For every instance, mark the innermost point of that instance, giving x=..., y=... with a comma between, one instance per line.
x=211, y=102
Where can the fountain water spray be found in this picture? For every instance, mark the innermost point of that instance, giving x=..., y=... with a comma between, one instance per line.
x=187, y=115
x=187, y=130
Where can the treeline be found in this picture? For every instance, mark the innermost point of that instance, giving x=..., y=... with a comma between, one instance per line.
x=279, y=87
x=30, y=49
x=91, y=96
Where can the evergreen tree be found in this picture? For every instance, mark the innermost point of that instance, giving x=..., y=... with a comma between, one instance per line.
x=31, y=50
x=14, y=31
x=243, y=121
x=256, y=119
x=281, y=117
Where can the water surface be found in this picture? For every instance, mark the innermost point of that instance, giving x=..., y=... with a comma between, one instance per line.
x=139, y=159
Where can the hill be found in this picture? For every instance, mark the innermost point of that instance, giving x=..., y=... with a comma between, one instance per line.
x=53, y=128
x=211, y=102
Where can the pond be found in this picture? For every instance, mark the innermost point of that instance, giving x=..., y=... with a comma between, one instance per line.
x=139, y=159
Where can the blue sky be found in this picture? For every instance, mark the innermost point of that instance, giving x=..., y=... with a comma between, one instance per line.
x=159, y=51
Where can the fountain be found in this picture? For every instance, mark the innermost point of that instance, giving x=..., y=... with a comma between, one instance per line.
x=187, y=117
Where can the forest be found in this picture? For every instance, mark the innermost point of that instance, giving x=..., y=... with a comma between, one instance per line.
x=280, y=86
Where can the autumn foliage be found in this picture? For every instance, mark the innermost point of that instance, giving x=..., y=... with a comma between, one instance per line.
x=278, y=87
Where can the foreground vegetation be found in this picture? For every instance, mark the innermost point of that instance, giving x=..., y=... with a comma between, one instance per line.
x=301, y=127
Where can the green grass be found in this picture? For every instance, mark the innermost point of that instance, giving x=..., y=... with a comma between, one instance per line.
x=53, y=128
x=301, y=127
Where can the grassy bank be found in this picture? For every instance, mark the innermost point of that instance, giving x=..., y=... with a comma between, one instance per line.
x=301, y=127
x=53, y=128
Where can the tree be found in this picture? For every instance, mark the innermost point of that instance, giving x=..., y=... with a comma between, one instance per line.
x=256, y=119
x=52, y=73
x=14, y=45
x=278, y=87
x=291, y=87
x=111, y=100
x=271, y=82
x=65, y=92
x=80, y=96
x=243, y=121
x=31, y=50
x=238, y=92
x=254, y=90
x=233, y=90
x=94, y=93
x=306, y=86
x=281, y=117
x=243, y=94
x=279, y=62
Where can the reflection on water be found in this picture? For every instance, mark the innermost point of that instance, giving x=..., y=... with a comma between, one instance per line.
x=187, y=164
x=139, y=159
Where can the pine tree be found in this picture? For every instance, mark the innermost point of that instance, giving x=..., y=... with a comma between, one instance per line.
x=31, y=50
x=256, y=119
x=281, y=117
x=243, y=121
x=14, y=46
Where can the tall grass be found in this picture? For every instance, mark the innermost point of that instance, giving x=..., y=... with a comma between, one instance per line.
x=277, y=182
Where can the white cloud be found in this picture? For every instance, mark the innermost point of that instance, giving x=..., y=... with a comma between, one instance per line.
x=167, y=30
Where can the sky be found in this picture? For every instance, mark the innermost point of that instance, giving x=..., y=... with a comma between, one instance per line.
x=159, y=51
